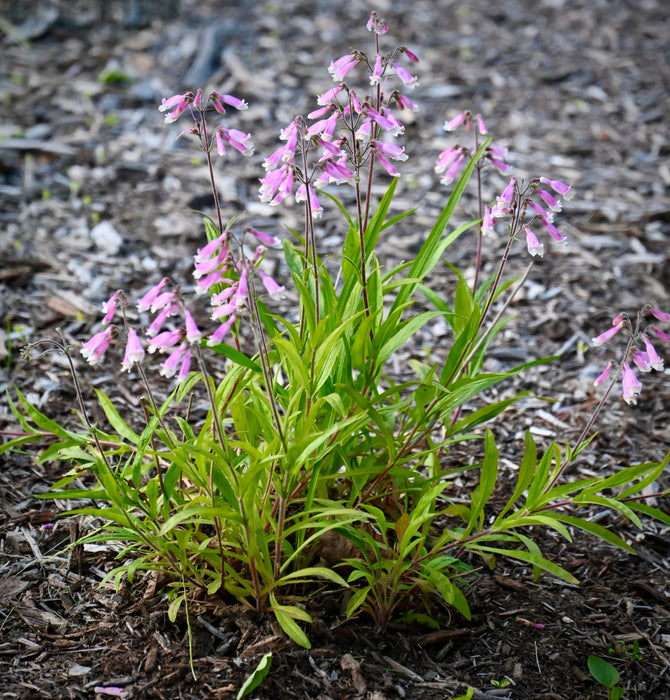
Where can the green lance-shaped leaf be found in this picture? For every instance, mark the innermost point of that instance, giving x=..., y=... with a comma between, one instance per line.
x=257, y=676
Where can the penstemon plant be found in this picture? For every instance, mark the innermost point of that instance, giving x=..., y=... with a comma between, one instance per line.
x=315, y=465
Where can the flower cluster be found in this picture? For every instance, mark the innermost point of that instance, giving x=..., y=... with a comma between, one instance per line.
x=347, y=129
x=178, y=104
x=644, y=359
x=516, y=201
x=214, y=268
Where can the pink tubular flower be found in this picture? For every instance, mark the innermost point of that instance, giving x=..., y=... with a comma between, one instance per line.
x=410, y=54
x=274, y=290
x=540, y=211
x=505, y=199
x=176, y=356
x=453, y=169
x=661, y=334
x=550, y=201
x=608, y=334
x=339, y=68
x=134, y=350
x=145, y=303
x=179, y=102
x=95, y=348
x=221, y=332
x=109, y=307
x=185, y=367
x=237, y=139
x=193, y=334
x=481, y=126
x=404, y=75
x=264, y=238
x=157, y=324
x=497, y=154
x=533, y=244
x=386, y=121
x=330, y=96
x=219, y=100
x=554, y=232
x=603, y=377
x=404, y=102
x=376, y=76
x=655, y=361
x=660, y=315
x=165, y=340
x=488, y=221
x=455, y=122
x=564, y=190
x=337, y=172
x=641, y=360
x=631, y=385
x=305, y=192
x=446, y=158
x=392, y=150
x=389, y=167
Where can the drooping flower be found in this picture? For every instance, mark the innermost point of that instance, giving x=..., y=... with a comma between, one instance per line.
x=641, y=360
x=404, y=102
x=109, y=307
x=219, y=100
x=404, y=75
x=453, y=123
x=174, y=360
x=273, y=288
x=657, y=313
x=221, y=332
x=376, y=24
x=134, y=350
x=94, y=349
x=608, y=334
x=179, y=102
x=145, y=303
x=193, y=333
x=264, y=238
x=661, y=334
x=234, y=137
x=339, y=68
x=488, y=221
x=603, y=377
x=533, y=244
x=631, y=384
x=330, y=96
x=549, y=200
x=185, y=367
x=165, y=340
x=560, y=187
x=655, y=361
x=554, y=232
x=496, y=155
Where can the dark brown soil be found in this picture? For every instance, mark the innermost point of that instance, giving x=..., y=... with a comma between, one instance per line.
x=576, y=89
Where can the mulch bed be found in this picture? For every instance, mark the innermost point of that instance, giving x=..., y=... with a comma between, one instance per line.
x=95, y=194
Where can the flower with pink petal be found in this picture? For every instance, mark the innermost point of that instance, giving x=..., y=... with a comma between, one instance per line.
x=603, y=377
x=339, y=68
x=631, y=385
x=560, y=187
x=109, y=307
x=481, y=126
x=641, y=360
x=455, y=122
x=165, y=340
x=330, y=96
x=145, y=303
x=376, y=76
x=179, y=102
x=655, y=360
x=404, y=102
x=174, y=360
x=376, y=24
x=550, y=201
x=554, y=232
x=446, y=158
x=661, y=334
x=193, y=333
x=264, y=238
x=274, y=289
x=404, y=75
x=657, y=313
x=608, y=334
x=94, y=349
x=410, y=54
x=221, y=332
x=488, y=221
x=134, y=350
x=219, y=100
x=185, y=367
x=533, y=244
